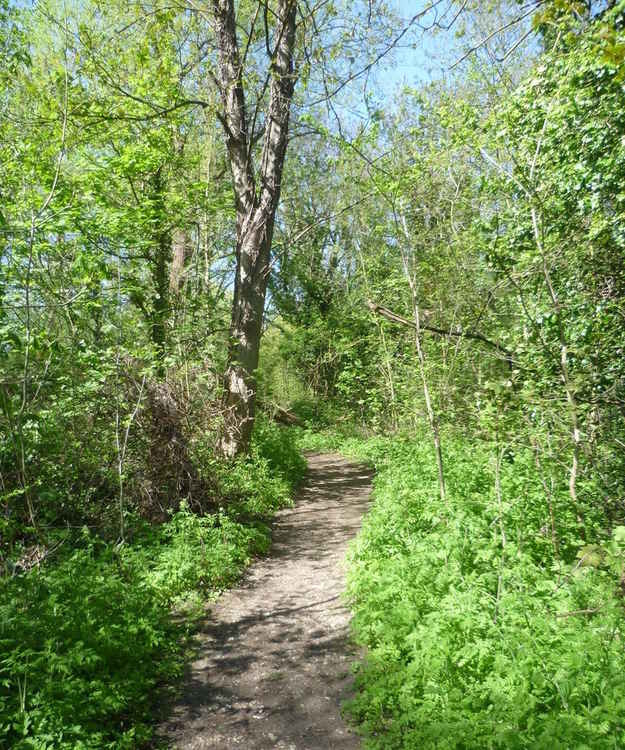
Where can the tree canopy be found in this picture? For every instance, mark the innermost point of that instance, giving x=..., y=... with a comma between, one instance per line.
x=217, y=217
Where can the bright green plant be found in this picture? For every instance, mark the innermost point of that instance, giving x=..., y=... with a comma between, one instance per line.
x=87, y=640
x=479, y=632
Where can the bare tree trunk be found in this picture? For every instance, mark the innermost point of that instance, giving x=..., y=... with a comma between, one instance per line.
x=161, y=309
x=245, y=333
x=256, y=196
x=180, y=255
x=548, y=495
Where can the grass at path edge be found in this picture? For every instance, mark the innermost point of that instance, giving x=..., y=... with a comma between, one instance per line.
x=478, y=632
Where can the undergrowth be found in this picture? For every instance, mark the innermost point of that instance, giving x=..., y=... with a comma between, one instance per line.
x=87, y=639
x=480, y=631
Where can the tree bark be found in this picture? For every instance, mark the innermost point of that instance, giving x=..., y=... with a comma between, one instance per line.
x=181, y=252
x=161, y=255
x=257, y=194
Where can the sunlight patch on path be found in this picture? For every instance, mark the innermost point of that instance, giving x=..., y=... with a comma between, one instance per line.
x=274, y=656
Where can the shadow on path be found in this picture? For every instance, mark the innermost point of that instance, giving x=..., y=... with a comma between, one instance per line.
x=274, y=656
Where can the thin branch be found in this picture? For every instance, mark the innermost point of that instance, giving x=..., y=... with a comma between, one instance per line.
x=501, y=28
x=389, y=47
x=394, y=318
x=575, y=612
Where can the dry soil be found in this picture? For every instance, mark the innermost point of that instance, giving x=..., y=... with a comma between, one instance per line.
x=273, y=659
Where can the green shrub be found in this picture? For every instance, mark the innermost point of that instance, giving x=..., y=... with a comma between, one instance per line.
x=83, y=645
x=262, y=482
x=86, y=641
x=331, y=439
x=478, y=634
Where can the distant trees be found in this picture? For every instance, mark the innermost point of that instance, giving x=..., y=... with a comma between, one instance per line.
x=487, y=217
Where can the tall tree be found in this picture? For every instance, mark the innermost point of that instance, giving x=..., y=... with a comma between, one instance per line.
x=257, y=193
x=295, y=41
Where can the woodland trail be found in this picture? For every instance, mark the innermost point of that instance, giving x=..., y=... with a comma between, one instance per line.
x=273, y=663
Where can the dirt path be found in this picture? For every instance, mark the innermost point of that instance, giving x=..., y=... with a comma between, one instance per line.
x=274, y=654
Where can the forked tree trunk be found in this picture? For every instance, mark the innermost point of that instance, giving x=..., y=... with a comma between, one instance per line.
x=257, y=194
x=245, y=334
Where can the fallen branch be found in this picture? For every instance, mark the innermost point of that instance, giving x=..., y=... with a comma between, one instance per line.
x=394, y=318
x=575, y=612
x=285, y=417
x=280, y=414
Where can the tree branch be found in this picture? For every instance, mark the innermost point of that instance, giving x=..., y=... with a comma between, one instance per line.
x=233, y=100
x=394, y=318
x=283, y=78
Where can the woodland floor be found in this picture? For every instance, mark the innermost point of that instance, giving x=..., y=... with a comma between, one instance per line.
x=273, y=660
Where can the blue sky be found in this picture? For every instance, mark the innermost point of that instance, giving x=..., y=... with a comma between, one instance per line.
x=416, y=66
x=420, y=57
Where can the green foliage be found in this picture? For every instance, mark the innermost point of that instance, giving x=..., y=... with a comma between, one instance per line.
x=257, y=484
x=311, y=438
x=273, y=447
x=95, y=188
x=478, y=634
x=83, y=644
x=279, y=381
x=492, y=204
x=86, y=641
x=557, y=239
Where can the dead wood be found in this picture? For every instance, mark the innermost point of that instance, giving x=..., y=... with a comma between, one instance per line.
x=457, y=333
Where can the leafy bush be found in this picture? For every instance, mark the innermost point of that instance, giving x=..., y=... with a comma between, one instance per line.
x=332, y=439
x=85, y=642
x=312, y=440
x=274, y=447
x=261, y=483
x=481, y=634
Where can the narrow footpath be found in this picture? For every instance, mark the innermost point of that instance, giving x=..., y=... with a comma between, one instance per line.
x=274, y=656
